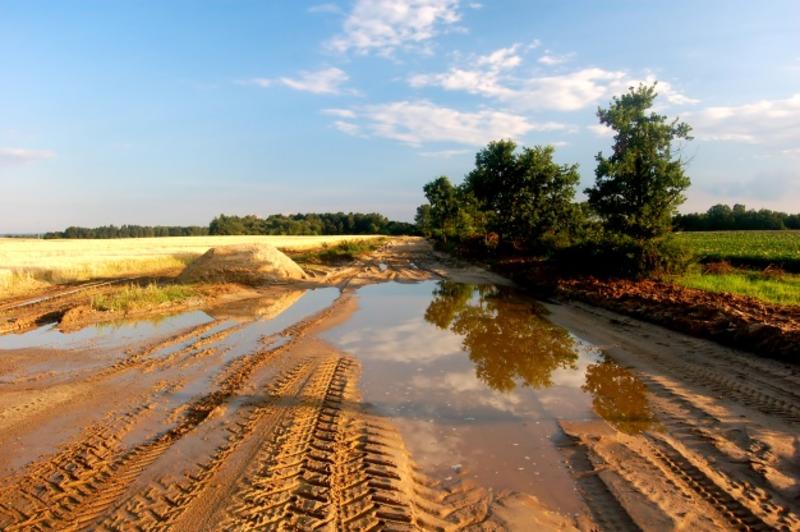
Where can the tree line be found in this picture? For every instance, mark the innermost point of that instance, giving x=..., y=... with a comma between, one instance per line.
x=338, y=223
x=329, y=223
x=519, y=200
x=128, y=231
x=737, y=218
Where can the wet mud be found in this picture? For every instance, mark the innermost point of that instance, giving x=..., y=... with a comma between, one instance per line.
x=406, y=392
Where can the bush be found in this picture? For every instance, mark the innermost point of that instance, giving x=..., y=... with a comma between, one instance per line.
x=617, y=256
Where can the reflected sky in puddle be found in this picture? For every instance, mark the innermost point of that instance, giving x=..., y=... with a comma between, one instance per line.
x=264, y=316
x=103, y=335
x=476, y=379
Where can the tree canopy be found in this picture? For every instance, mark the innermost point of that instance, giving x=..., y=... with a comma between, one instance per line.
x=640, y=185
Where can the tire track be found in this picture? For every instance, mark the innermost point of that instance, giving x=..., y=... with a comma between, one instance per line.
x=737, y=515
x=607, y=512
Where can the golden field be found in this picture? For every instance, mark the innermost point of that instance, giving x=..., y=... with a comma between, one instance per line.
x=28, y=264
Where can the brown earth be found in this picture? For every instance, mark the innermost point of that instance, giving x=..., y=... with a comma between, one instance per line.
x=223, y=425
x=242, y=263
x=737, y=321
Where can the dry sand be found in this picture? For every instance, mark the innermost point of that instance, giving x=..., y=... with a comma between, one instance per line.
x=227, y=425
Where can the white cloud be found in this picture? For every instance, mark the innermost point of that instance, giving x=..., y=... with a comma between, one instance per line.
x=772, y=122
x=341, y=113
x=601, y=130
x=384, y=26
x=568, y=92
x=493, y=76
x=9, y=156
x=420, y=122
x=551, y=59
x=501, y=59
x=348, y=128
x=471, y=81
x=323, y=81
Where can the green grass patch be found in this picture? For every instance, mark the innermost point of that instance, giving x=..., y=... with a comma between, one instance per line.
x=134, y=297
x=745, y=248
x=346, y=251
x=782, y=290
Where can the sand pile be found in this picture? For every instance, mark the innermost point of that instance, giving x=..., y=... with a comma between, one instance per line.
x=243, y=263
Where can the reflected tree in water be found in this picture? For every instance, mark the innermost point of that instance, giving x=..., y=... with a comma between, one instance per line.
x=506, y=338
x=618, y=397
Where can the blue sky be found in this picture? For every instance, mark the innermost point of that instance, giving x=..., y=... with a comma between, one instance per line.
x=172, y=112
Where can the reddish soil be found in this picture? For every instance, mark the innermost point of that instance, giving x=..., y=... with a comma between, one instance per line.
x=737, y=321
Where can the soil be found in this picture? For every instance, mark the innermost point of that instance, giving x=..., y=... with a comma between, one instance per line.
x=738, y=321
x=229, y=424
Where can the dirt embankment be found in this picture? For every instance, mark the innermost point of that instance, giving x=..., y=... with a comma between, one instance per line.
x=737, y=321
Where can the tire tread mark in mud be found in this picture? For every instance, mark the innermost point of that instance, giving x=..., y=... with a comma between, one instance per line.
x=737, y=515
x=68, y=503
x=730, y=387
x=607, y=512
x=160, y=505
x=694, y=437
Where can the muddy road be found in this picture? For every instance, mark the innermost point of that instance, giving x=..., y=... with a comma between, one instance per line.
x=406, y=392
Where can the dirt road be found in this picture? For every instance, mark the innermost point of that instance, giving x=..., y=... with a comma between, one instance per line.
x=245, y=417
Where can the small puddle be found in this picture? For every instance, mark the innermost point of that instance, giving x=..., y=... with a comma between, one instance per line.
x=476, y=380
x=103, y=335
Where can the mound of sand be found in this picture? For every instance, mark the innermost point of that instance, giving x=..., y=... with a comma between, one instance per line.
x=243, y=263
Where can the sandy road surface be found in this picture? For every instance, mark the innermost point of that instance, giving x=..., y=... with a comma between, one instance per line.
x=232, y=424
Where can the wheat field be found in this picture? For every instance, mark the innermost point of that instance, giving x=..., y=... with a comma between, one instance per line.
x=28, y=264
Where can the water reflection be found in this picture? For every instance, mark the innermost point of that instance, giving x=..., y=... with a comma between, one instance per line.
x=618, y=397
x=506, y=339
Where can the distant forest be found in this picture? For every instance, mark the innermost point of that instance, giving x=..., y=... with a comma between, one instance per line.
x=736, y=218
x=338, y=223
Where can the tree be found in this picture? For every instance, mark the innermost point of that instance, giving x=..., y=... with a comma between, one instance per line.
x=527, y=196
x=639, y=187
x=443, y=199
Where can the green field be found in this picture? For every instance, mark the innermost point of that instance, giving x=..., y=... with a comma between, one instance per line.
x=755, y=249
x=784, y=290
x=750, y=252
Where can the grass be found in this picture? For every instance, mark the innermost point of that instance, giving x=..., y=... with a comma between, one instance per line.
x=781, y=290
x=28, y=265
x=134, y=297
x=345, y=251
x=746, y=248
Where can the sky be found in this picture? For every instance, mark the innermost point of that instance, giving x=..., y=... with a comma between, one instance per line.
x=153, y=112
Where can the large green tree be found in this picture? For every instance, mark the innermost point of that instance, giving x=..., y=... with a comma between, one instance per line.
x=527, y=196
x=640, y=185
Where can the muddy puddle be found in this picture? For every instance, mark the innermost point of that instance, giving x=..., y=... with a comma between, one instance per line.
x=105, y=335
x=477, y=379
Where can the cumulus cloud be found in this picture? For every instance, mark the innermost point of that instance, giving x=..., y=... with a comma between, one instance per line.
x=551, y=59
x=323, y=81
x=775, y=122
x=9, y=156
x=384, y=26
x=493, y=76
x=418, y=122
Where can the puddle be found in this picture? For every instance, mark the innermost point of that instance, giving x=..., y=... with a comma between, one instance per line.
x=103, y=335
x=476, y=380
